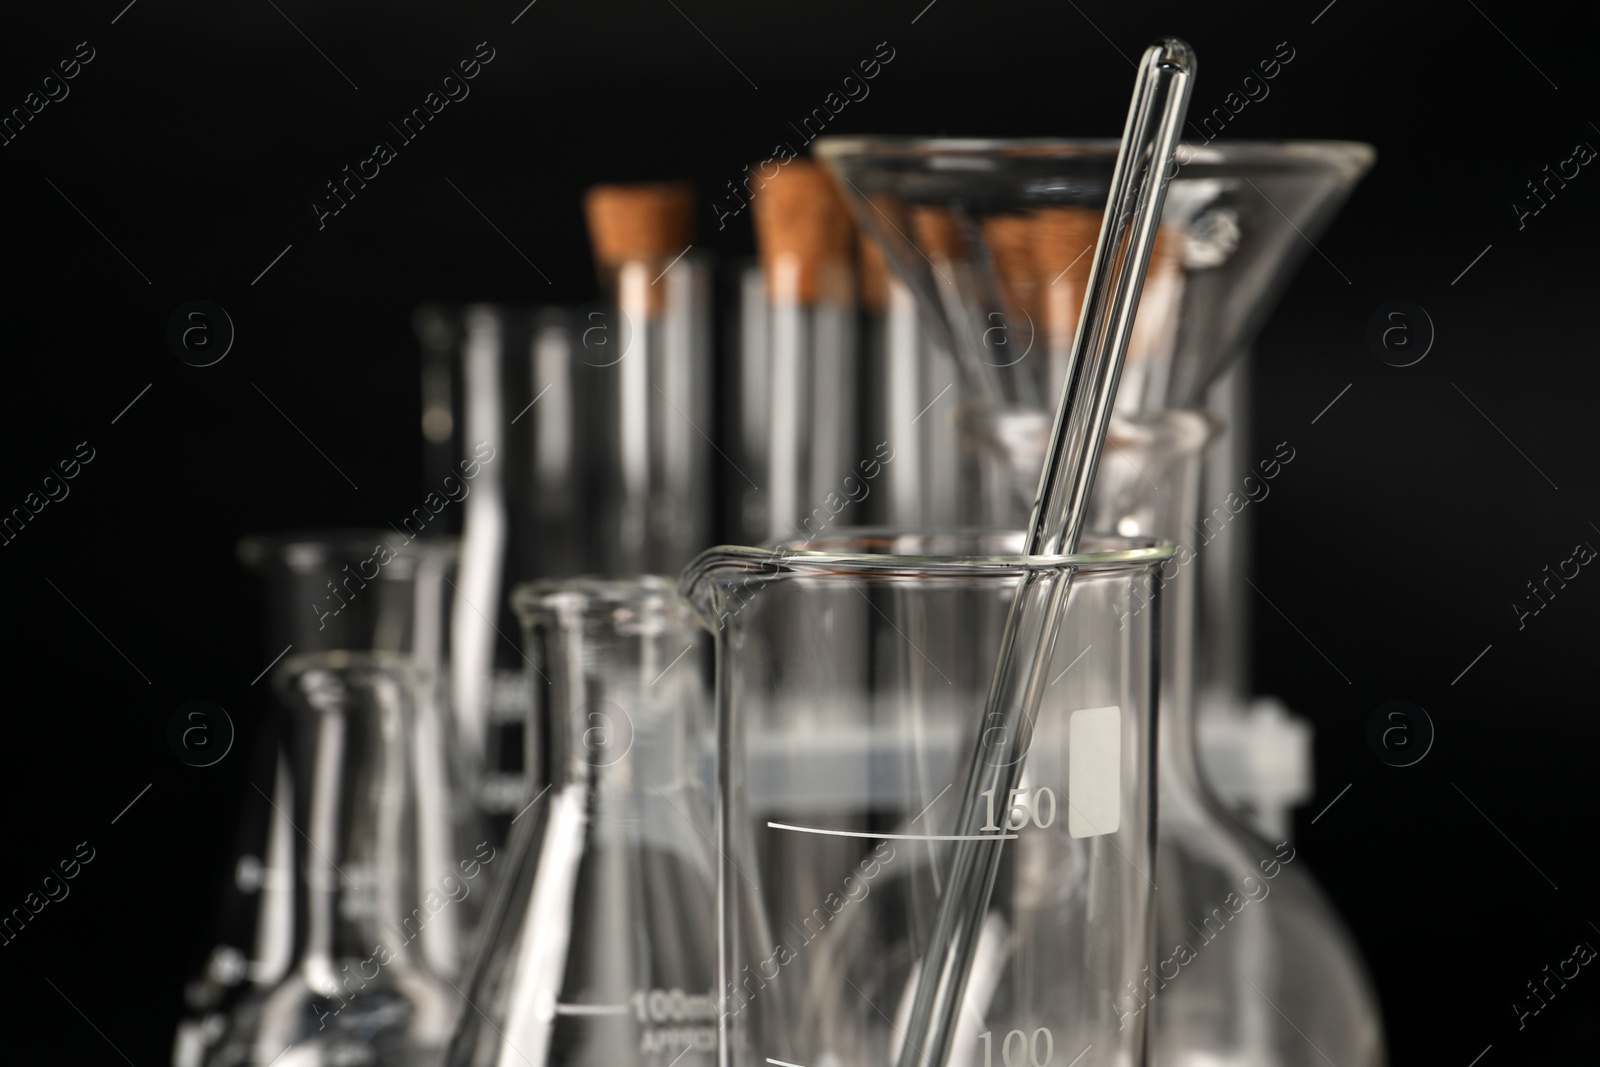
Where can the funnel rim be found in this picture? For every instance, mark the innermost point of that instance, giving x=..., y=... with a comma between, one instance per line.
x=1354, y=156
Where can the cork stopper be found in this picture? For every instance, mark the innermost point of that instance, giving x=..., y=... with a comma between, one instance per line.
x=937, y=232
x=873, y=274
x=1166, y=252
x=635, y=231
x=1010, y=240
x=1063, y=241
x=803, y=234
x=649, y=221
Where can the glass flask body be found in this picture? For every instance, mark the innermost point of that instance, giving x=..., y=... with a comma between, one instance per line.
x=1253, y=967
x=851, y=681
x=380, y=904
x=601, y=946
x=361, y=988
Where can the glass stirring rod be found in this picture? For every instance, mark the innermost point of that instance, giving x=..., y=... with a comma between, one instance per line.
x=1133, y=212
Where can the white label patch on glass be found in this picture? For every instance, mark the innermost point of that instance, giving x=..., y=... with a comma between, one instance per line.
x=1094, y=772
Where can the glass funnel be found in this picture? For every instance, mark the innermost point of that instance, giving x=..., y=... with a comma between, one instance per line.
x=601, y=947
x=995, y=239
x=841, y=744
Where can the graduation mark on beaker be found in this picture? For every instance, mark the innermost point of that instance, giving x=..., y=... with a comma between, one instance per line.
x=591, y=1009
x=891, y=837
x=1026, y=1051
x=1031, y=811
x=673, y=1005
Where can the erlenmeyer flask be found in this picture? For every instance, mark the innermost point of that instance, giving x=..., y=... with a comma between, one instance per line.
x=382, y=861
x=601, y=947
x=988, y=234
x=297, y=573
x=836, y=806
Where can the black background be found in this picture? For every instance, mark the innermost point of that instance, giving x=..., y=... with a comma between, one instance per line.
x=197, y=138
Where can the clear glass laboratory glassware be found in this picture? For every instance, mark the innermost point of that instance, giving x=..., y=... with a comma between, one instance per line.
x=993, y=238
x=1252, y=964
x=503, y=470
x=299, y=574
x=647, y=356
x=650, y=376
x=987, y=234
x=909, y=402
x=814, y=458
x=835, y=806
x=253, y=907
x=1254, y=751
x=745, y=403
x=382, y=862
x=601, y=949
x=1241, y=214
x=1211, y=867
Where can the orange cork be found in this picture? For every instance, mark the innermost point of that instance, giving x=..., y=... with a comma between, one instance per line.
x=937, y=232
x=636, y=230
x=803, y=233
x=1010, y=240
x=1063, y=241
x=648, y=221
x=873, y=272
x=1166, y=252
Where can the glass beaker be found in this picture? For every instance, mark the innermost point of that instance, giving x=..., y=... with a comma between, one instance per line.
x=382, y=861
x=836, y=773
x=601, y=947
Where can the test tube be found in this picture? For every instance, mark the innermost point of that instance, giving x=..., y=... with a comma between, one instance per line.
x=746, y=407
x=502, y=462
x=804, y=239
x=645, y=362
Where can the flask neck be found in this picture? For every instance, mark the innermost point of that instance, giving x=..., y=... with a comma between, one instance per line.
x=1177, y=754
